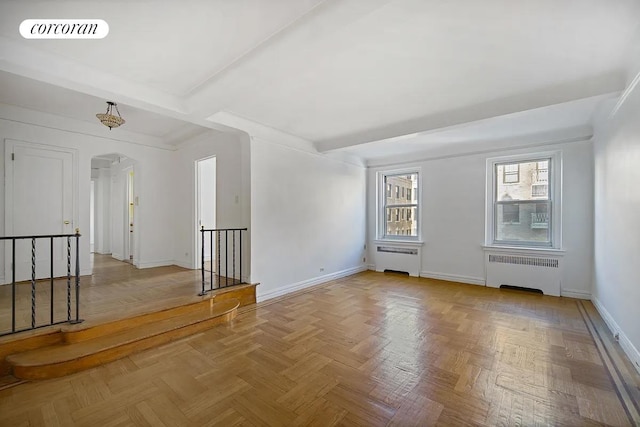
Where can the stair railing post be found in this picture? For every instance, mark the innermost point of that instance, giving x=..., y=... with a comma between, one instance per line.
x=77, y=236
x=33, y=282
x=51, y=276
x=202, y=257
x=68, y=279
x=13, y=285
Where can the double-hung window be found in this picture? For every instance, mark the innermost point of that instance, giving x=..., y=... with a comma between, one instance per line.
x=523, y=206
x=397, y=209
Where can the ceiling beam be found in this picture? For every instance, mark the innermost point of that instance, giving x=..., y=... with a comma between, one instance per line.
x=597, y=85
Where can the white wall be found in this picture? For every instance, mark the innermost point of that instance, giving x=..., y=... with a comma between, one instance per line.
x=453, y=215
x=616, y=286
x=153, y=183
x=231, y=189
x=307, y=218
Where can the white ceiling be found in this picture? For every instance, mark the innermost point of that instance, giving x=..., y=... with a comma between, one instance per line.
x=47, y=98
x=340, y=74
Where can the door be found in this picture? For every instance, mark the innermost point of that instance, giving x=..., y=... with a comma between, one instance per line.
x=39, y=200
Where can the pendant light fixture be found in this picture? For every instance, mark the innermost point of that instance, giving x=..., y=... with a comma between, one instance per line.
x=108, y=119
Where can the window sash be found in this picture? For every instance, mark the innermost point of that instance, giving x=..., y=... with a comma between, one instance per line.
x=391, y=206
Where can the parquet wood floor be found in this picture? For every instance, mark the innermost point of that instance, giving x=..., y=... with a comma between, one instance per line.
x=371, y=349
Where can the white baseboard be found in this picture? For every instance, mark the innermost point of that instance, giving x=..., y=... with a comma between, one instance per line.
x=151, y=264
x=184, y=264
x=117, y=256
x=453, y=278
x=371, y=267
x=575, y=293
x=283, y=290
x=630, y=350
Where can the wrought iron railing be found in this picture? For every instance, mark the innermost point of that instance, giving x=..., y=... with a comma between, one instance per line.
x=72, y=282
x=224, y=267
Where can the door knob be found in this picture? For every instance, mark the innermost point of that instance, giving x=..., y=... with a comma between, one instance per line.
x=67, y=222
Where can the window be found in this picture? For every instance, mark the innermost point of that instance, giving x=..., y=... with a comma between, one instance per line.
x=511, y=174
x=400, y=208
x=523, y=211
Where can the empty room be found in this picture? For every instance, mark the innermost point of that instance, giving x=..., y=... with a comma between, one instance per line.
x=320, y=212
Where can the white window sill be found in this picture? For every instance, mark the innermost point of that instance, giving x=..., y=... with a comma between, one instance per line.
x=399, y=242
x=524, y=250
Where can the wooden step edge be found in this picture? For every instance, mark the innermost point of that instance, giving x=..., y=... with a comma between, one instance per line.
x=8, y=381
x=83, y=362
x=25, y=343
x=245, y=293
x=80, y=332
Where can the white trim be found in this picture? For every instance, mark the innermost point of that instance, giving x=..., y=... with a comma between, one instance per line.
x=413, y=158
x=371, y=267
x=575, y=293
x=625, y=343
x=283, y=290
x=555, y=189
x=524, y=250
x=403, y=243
x=625, y=95
x=453, y=278
x=183, y=264
x=380, y=197
x=151, y=264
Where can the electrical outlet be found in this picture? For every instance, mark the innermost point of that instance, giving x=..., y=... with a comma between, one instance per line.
x=364, y=260
x=617, y=336
x=321, y=269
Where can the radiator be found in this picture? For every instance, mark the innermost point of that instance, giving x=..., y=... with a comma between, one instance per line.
x=535, y=272
x=398, y=258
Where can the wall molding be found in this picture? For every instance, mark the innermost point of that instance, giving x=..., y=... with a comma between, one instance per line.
x=575, y=293
x=453, y=278
x=151, y=264
x=630, y=350
x=625, y=95
x=415, y=158
x=283, y=290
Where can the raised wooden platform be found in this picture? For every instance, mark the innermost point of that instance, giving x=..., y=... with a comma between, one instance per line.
x=71, y=348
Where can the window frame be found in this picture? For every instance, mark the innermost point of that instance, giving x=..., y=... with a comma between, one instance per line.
x=555, y=199
x=399, y=204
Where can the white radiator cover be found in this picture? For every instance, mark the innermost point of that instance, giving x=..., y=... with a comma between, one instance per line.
x=405, y=257
x=527, y=269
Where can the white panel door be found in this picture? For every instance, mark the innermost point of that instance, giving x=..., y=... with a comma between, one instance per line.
x=39, y=202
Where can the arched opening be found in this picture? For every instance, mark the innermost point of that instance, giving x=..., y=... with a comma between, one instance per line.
x=114, y=207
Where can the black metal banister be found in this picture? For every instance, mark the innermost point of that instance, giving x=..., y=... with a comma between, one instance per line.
x=33, y=280
x=216, y=282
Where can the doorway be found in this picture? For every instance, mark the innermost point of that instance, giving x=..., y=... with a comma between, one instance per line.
x=115, y=206
x=205, y=211
x=129, y=216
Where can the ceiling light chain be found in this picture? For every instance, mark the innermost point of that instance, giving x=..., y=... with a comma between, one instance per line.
x=108, y=119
